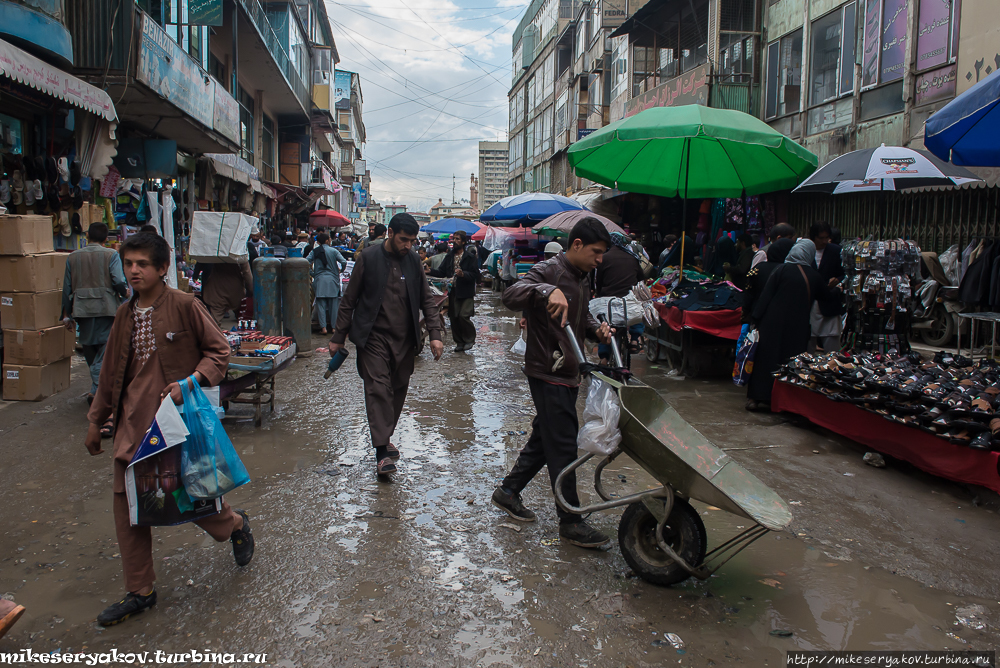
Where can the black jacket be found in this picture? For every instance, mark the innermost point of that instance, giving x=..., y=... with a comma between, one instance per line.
x=831, y=267
x=463, y=287
x=617, y=273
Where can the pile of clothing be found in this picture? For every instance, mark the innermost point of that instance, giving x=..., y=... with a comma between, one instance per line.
x=950, y=396
x=696, y=292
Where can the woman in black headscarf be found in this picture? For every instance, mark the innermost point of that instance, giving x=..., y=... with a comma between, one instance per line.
x=673, y=258
x=757, y=277
x=725, y=253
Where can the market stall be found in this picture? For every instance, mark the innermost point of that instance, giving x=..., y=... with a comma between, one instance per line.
x=937, y=414
x=699, y=318
x=254, y=363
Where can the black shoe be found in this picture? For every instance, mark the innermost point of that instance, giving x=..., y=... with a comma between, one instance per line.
x=582, y=534
x=125, y=608
x=468, y=346
x=511, y=504
x=458, y=349
x=242, y=541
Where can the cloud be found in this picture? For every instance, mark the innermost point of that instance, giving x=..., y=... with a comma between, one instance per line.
x=433, y=71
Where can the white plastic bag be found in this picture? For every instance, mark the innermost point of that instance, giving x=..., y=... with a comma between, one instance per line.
x=220, y=237
x=520, y=346
x=600, y=434
x=620, y=308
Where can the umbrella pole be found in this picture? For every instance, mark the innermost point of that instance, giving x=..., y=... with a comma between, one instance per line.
x=684, y=206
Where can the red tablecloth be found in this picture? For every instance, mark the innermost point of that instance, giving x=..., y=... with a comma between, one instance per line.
x=725, y=323
x=926, y=451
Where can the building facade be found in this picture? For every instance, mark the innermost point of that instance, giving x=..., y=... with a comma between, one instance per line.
x=492, y=172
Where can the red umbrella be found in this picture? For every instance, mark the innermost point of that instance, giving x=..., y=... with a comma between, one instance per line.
x=327, y=218
x=519, y=233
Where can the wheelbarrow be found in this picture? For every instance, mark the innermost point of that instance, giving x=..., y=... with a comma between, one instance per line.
x=662, y=537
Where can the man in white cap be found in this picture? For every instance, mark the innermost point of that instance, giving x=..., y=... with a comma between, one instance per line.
x=552, y=249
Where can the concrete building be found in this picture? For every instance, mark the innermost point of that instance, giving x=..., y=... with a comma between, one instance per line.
x=453, y=210
x=391, y=210
x=492, y=172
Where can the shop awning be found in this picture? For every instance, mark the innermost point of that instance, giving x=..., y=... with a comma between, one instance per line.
x=31, y=71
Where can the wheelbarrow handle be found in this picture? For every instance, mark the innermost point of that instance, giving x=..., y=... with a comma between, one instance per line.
x=614, y=344
x=571, y=335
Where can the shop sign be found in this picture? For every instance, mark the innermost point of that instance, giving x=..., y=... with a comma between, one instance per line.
x=870, y=52
x=933, y=33
x=614, y=13
x=342, y=90
x=939, y=84
x=894, y=20
x=353, y=215
x=690, y=88
x=583, y=132
x=205, y=12
x=171, y=73
x=226, y=119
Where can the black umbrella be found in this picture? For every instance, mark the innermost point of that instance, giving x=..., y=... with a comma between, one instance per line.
x=884, y=168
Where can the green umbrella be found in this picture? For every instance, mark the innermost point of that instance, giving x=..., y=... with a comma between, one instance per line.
x=692, y=151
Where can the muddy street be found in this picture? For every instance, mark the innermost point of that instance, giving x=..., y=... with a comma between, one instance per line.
x=423, y=571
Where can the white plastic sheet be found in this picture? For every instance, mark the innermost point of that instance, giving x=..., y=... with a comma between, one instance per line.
x=218, y=236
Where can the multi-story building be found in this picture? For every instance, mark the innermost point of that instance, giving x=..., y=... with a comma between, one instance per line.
x=391, y=210
x=453, y=210
x=349, y=103
x=492, y=172
x=561, y=88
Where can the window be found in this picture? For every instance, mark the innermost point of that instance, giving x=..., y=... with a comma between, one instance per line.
x=595, y=20
x=582, y=29
x=546, y=133
x=668, y=64
x=937, y=33
x=560, y=122
x=548, y=76
x=529, y=142
x=694, y=36
x=532, y=97
x=246, y=125
x=831, y=69
x=516, y=63
x=267, y=149
x=642, y=67
x=784, y=75
x=885, y=35
x=218, y=70
x=619, y=66
x=513, y=110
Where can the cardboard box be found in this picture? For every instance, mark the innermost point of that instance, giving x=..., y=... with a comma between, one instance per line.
x=32, y=273
x=30, y=310
x=34, y=383
x=25, y=235
x=37, y=348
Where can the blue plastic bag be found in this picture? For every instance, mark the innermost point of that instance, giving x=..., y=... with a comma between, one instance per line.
x=210, y=466
x=745, y=354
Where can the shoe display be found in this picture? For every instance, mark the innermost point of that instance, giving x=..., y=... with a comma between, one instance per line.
x=511, y=504
x=582, y=534
x=242, y=540
x=132, y=604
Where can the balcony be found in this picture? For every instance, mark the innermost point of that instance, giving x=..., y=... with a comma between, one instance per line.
x=743, y=97
x=258, y=18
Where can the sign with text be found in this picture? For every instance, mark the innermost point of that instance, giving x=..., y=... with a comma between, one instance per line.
x=173, y=75
x=226, y=119
x=936, y=85
x=583, y=132
x=205, y=12
x=690, y=88
x=933, y=33
x=342, y=90
x=870, y=52
x=894, y=20
x=614, y=13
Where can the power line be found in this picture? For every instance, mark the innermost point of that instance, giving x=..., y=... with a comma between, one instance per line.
x=393, y=18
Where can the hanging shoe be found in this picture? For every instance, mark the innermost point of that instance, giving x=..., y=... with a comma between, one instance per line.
x=75, y=223
x=18, y=181
x=74, y=173
x=51, y=172
x=4, y=191
x=62, y=169
x=64, y=224
x=77, y=197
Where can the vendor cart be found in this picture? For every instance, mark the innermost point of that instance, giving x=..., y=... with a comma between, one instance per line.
x=661, y=536
x=250, y=380
x=687, y=339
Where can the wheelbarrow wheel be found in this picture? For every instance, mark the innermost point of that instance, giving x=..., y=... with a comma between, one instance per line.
x=684, y=533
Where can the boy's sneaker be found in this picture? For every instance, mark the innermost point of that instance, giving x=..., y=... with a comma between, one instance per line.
x=582, y=534
x=242, y=540
x=511, y=504
x=130, y=605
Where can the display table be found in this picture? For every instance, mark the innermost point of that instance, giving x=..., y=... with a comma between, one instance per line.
x=725, y=324
x=256, y=384
x=926, y=451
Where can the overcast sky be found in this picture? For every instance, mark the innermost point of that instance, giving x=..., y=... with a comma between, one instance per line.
x=435, y=76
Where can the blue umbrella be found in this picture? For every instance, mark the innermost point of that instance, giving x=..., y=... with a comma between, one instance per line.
x=964, y=131
x=529, y=207
x=450, y=225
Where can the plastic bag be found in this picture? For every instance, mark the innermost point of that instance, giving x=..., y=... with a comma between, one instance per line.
x=950, y=264
x=745, y=354
x=621, y=308
x=210, y=466
x=600, y=434
x=520, y=346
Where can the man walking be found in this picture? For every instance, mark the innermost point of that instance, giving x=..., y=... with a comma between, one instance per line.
x=93, y=289
x=462, y=264
x=555, y=292
x=159, y=336
x=380, y=310
x=223, y=286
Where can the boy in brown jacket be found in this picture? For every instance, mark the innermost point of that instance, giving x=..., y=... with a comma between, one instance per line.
x=159, y=337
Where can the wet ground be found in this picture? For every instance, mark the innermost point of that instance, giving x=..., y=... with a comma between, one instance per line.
x=350, y=571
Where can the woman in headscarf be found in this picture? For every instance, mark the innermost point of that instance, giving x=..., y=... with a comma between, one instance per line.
x=757, y=277
x=673, y=258
x=781, y=315
x=725, y=253
x=327, y=263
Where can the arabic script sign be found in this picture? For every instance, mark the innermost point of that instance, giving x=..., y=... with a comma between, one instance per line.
x=690, y=88
x=936, y=85
x=894, y=19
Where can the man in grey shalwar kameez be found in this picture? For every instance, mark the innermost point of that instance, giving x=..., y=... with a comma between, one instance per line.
x=327, y=263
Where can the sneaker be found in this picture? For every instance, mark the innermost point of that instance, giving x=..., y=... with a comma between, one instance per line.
x=242, y=540
x=582, y=534
x=125, y=608
x=511, y=504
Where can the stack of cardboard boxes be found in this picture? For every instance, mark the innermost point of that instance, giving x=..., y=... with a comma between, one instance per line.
x=36, y=346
